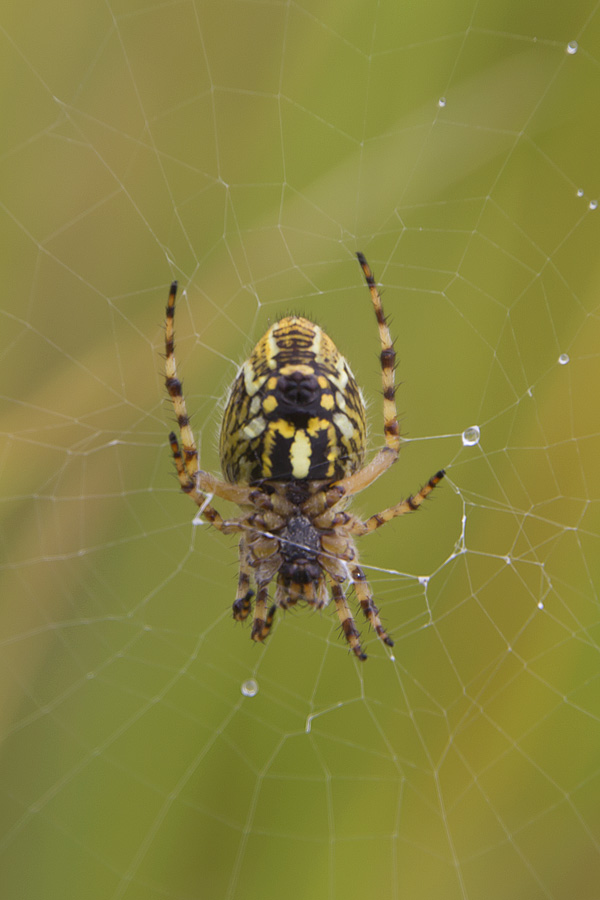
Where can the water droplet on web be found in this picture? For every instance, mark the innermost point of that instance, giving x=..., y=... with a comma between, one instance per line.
x=563, y=359
x=250, y=688
x=442, y=102
x=580, y=192
x=471, y=435
x=593, y=204
x=572, y=47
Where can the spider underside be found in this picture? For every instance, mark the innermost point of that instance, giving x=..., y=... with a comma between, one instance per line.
x=292, y=447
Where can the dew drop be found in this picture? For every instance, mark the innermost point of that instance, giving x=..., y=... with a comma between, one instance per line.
x=471, y=435
x=563, y=359
x=250, y=688
x=580, y=192
x=572, y=47
x=593, y=204
x=442, y=102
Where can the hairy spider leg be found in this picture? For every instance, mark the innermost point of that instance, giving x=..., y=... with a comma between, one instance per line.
x=198, y=484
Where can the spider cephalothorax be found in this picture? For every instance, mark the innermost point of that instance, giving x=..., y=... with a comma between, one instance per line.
x=292, y=449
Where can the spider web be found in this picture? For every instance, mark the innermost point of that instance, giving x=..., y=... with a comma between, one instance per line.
x=150, y=749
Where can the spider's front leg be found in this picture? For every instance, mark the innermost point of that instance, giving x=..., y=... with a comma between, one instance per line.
x=340, y=561
x=263, y=620
x=243, y=598
x=351, y=632
x=365, y=598
x=258, y=559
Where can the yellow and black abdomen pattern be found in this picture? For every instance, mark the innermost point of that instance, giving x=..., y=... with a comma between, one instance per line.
x=295, y=410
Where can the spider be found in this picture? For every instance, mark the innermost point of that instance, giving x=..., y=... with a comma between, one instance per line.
x=292, y=449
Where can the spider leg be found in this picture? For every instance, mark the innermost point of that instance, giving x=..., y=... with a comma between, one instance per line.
x=192, y=479
x=388, y=363
x=263, y=620
x=411, y=504
x=243, y=598
x=365, y=598
x=188, y=486
x=346, y=618
x=388, y=454
x=199, y=497
x=189, y=458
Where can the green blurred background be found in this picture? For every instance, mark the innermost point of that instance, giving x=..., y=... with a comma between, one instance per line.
x=249, y=149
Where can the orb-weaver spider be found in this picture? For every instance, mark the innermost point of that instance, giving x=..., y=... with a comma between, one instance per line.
x=292, y=448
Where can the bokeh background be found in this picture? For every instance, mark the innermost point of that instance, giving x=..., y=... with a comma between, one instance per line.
x=149, y=748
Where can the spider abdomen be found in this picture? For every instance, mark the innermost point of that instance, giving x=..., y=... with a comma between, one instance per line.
x=295, y=411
